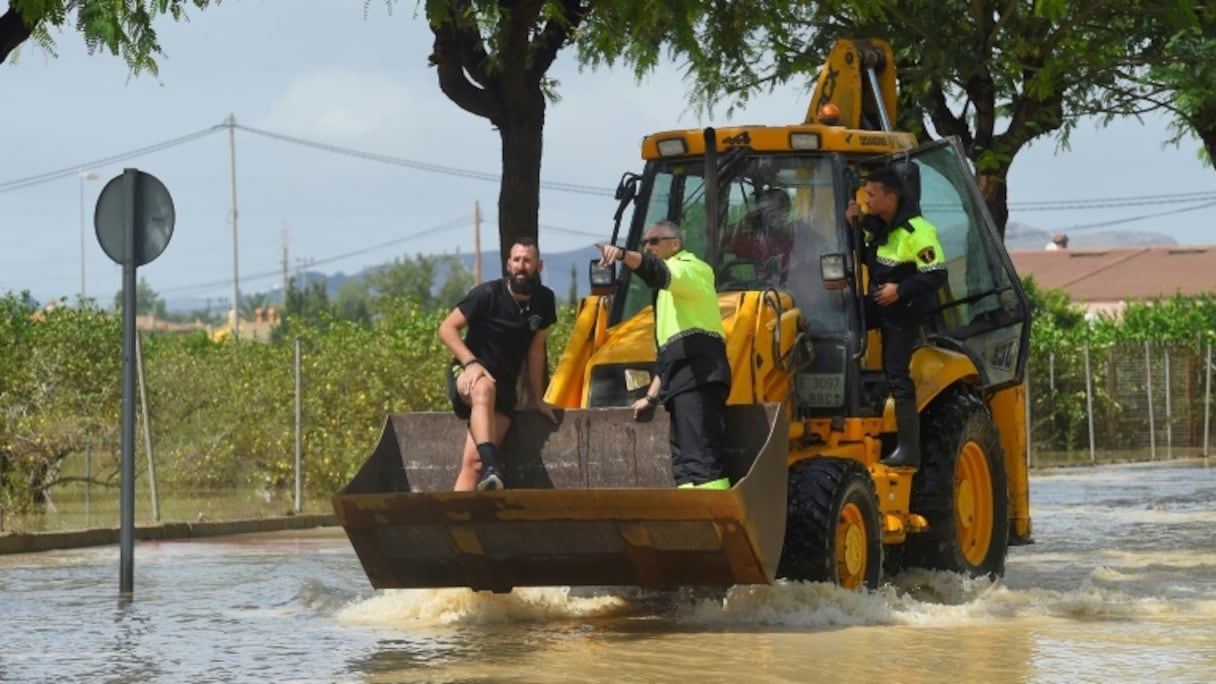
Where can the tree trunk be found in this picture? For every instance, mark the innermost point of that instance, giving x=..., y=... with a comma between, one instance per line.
x=996, y=196
x=1204, y=125
x=522, y=132
x=13, y=32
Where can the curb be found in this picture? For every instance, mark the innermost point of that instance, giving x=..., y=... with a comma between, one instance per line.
x=30, y=542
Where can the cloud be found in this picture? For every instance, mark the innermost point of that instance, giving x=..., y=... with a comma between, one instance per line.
x=339, y=106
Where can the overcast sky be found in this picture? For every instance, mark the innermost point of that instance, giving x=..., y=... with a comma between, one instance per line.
x=323, y=72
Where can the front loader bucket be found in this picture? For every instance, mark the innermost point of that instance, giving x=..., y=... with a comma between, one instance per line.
x=589, y=501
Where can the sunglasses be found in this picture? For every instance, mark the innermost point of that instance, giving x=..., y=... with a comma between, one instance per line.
x=651, y=242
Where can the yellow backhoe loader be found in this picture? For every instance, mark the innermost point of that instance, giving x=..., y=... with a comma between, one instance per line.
x=591, y=501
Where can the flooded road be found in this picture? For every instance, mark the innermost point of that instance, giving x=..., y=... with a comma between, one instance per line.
x=1121, y=586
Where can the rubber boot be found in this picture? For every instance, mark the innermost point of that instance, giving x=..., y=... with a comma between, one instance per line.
x=907, y=422
x=720, y=483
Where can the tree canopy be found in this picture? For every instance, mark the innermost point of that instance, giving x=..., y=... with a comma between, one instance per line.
x=1183, y=80
x=996, y=74
x=124, y=28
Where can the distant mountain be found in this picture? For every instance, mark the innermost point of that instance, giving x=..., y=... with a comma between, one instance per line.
x=1019, y=236
x=557, y=275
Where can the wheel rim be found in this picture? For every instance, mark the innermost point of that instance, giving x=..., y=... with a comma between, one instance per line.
x=973, y=504
x=851, y=547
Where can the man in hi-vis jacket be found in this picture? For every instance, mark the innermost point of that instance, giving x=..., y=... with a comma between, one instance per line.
x=692, y=375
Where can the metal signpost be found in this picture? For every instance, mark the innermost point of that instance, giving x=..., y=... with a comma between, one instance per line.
x=134, y=221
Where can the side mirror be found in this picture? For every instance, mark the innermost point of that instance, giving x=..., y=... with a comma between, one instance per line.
x=603, y=278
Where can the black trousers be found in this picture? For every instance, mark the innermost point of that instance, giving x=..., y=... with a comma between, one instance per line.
x=898, y=340
x=697, y=422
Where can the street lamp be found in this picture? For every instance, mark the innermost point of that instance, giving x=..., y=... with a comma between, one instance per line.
x=84, y=176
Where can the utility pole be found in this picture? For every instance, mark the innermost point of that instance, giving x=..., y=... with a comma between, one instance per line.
x=286, y=278
x=84, y=176
x=236, y=286
x=476, y=242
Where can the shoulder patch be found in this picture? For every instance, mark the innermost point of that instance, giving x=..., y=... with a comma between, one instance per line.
x=927, y=255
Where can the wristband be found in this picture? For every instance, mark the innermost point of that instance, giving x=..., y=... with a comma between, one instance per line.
x=473, y=361
x=652, y=400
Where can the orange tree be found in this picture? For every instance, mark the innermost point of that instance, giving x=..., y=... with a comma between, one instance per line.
x=60, y=390
x=222, y=415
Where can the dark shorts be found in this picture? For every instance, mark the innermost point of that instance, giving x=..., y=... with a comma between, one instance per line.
x=504, y=397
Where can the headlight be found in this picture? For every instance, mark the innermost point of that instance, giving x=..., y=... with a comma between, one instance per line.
x=833, y=268
x=804, y=141
x=672, y=147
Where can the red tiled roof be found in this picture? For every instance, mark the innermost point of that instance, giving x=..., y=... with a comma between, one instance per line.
x=1125, y=273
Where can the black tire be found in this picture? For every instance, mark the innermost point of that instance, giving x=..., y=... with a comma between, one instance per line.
x=832, y=530
x=962, y=491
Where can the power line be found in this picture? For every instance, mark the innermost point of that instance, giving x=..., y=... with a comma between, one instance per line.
x=1106, y=224
x=1110, y=203
x=50, y=176
x=571, y=231
x=422, y=166
x=74, y=171
x=447, y=225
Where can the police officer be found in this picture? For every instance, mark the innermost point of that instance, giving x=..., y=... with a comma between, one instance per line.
x=692, y=375
x=906, y=267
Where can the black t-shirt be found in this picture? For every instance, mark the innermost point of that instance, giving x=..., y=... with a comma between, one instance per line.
x=501, y=327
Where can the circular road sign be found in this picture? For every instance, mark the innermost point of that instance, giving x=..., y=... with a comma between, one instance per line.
x=154, y=217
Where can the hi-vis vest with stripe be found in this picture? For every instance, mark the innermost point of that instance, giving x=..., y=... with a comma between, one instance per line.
x=687, y=303
x=908, y=251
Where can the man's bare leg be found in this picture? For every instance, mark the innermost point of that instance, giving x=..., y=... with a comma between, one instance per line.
x=485, y=426
x=470, y=462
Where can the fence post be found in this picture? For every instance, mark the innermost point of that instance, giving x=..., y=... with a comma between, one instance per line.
x=143, y=402
x=1089, y=406
x=299, y=442
x=1051, y=374
x=1207, y=402
x=1029, y=425
x=88, y=485
x=1148, y=386
x=1051, y=397
x=1169, y=413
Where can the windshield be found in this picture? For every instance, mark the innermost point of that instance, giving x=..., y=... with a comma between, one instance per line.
x=777, y=215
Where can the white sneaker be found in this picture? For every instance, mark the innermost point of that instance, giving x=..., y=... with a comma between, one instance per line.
x=489, y=481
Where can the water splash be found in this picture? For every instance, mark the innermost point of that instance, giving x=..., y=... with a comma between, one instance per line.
x=422, y=607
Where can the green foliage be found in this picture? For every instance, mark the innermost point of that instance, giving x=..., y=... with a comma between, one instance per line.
x=414, y=280
x=222, y=414
x=1183, y=80
x=1059, y=335
x=309, y=307
x=124, y=28
x=1177, y=320
x=1062, y=336
x=572, y=293
x=147, y=301
x=996, y=74
x=59, y=390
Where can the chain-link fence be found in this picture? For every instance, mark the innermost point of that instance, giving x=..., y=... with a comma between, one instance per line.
x=1121, y=402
